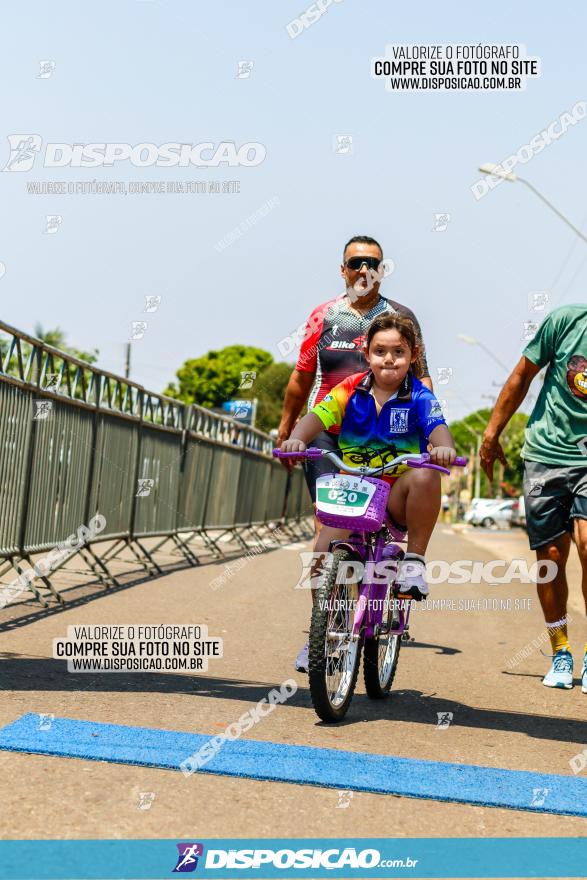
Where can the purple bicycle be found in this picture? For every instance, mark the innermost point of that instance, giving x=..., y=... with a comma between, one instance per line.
x=356, y=605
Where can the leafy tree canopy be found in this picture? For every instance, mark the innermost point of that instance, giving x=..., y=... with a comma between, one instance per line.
x=57, y=339
x=512, y=440
x=269, y=389
x=217, y=376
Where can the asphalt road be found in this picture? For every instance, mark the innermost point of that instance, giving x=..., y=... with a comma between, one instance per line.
x=460, y=662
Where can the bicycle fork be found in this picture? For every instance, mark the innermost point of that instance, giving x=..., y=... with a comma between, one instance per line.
x=373, y=606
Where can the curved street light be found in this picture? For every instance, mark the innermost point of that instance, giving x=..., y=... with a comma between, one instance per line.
x=495, y=170
x=471, y=341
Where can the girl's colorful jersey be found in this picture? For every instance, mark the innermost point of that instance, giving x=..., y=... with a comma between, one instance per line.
x=403, y=425
x=333, y=340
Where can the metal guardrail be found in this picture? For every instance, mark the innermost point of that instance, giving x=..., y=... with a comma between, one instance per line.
x=77, y=441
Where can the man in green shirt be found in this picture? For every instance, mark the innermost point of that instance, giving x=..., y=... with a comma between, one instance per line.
x=555, y=464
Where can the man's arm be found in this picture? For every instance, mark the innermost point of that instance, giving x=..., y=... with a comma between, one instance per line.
x=302, y=378
x=296, y=395
x=510, y=397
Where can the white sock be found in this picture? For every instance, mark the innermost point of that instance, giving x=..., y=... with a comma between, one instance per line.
x=414, y=556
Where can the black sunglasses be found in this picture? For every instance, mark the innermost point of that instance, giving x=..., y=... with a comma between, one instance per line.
x=355, y=263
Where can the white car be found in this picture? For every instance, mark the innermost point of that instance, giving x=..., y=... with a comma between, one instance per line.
x=477, y=505
x=491, y=513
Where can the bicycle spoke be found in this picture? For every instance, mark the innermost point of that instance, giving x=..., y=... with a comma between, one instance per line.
x=340, y=649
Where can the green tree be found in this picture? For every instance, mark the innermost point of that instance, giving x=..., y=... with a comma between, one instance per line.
x=216, y=377
x=465, y=433
x=269, y=389
x=512, y=441
x=57, y=339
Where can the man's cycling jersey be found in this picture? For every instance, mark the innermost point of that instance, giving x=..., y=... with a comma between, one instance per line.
x=403, y=425
x=333, y=340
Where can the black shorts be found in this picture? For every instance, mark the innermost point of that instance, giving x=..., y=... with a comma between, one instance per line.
x=554, y=496
x=314, y=468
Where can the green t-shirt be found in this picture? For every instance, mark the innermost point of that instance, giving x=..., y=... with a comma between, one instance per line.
x=557, y=429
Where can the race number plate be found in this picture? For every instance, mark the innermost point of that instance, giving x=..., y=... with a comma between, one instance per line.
x=343, y=495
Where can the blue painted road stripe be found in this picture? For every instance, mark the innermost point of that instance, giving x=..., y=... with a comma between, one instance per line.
x=330, y=768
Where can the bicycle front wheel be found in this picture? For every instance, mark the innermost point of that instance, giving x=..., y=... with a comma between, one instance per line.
x=334, y=654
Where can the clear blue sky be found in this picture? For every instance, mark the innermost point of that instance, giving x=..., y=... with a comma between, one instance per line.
x=161, y=71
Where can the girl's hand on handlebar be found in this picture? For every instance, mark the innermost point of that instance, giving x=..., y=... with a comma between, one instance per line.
x=292, y=445
x=443, y=455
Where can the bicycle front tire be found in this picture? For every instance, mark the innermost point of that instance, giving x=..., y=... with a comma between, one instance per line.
x=334, y=656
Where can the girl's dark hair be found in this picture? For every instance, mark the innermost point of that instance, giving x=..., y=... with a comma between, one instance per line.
x=406, y=329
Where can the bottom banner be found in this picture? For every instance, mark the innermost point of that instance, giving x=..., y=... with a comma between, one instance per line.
x=293, y=857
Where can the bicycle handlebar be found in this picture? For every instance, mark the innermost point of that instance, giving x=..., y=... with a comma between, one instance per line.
x=416, y=461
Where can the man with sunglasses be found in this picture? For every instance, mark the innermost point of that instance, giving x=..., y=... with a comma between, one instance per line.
x=331, y=350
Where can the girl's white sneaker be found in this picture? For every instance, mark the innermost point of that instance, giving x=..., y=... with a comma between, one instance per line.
x=411, y=578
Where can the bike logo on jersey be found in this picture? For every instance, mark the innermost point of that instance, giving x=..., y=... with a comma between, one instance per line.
x=357, y=342
x=398, y=421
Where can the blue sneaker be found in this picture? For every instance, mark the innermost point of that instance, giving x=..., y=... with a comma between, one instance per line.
x=302, y=660
x=560, y=674
x=584, y=676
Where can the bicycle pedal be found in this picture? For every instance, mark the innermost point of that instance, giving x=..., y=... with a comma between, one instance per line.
x=414, y=594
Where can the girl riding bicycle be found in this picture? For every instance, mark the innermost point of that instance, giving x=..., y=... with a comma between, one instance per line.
x=382, y=413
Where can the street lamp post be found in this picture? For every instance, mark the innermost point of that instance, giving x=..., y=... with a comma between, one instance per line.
x=471, y=341
x=495, y=171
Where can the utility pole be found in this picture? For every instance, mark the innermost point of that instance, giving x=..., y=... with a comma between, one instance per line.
x=500, y=473
x=471, y=471
x=127, y=362
x=477, y=462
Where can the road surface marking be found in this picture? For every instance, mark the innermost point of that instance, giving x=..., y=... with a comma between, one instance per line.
x=306, y=765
